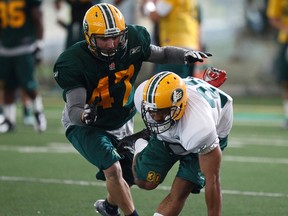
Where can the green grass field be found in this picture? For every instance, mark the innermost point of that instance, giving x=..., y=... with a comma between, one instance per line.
x=41, y=174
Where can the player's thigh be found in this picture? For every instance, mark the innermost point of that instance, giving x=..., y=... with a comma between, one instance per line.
x=11, y=83
x=25, y=71
x=189, y=169
x=95, y=145
x=154, y=162
x=7, y=71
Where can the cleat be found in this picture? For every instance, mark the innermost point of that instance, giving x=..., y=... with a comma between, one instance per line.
x=127, y=143
x=100, y=207
x=5, y=125
x=40, y=124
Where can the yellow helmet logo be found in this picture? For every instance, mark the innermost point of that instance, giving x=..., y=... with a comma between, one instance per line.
x=177, y=95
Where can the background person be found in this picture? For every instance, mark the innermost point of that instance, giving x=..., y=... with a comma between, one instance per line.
x=177, y=23
x=21, y=42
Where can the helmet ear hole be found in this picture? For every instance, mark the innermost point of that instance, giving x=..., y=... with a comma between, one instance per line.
x=93, y=41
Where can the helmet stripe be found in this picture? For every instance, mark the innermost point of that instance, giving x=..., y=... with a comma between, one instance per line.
x=153, y=85
x=108, y=16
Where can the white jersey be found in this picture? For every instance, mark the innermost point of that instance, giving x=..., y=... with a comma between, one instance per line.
x=208, y=116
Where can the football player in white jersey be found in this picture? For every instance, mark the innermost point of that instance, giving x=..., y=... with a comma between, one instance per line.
x=190, y=121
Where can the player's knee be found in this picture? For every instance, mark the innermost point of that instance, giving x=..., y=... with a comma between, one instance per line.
x=146, y=185
x=114, y=172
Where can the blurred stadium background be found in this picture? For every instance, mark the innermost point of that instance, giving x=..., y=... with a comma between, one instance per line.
x=233, y=31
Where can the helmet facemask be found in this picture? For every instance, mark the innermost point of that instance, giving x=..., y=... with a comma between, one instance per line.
x=159, y=125
x=107, y=55
x=164, y=101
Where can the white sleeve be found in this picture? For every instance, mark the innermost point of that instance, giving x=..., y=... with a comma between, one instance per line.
x=226, y=121
x=138, y=97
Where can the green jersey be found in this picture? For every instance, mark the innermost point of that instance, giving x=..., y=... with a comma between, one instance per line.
x=112, y=82
x=17, y=28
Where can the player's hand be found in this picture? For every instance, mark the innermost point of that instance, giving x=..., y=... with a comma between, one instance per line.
x=127, y=143
x=89, y=115
x=191, y=56
x=214, y=76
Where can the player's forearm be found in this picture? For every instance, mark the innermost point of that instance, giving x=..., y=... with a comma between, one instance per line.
x=213, y=198
x=75, y=101
x=167, y=54
x=210, y=167
x=175, y=55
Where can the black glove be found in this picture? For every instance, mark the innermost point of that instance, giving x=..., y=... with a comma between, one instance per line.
x=89, y=114
x=191, y=56
x=127, y=143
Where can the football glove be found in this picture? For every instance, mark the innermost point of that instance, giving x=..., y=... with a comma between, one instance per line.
x=214, y=76
x=191, y=56
x=127, y=143
x=90, y=112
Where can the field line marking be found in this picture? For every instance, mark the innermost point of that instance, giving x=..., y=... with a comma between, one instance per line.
x=245, y=159
x=266, y=141
x=102, y=184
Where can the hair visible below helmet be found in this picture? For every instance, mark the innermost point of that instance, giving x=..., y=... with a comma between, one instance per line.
x=104, y=20
x=164, y=91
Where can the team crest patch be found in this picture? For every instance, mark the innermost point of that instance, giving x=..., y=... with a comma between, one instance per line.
x=112, y=66
x=177, y=95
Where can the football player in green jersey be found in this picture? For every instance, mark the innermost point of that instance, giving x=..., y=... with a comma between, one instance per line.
x=21, y=35
x=97, y=76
